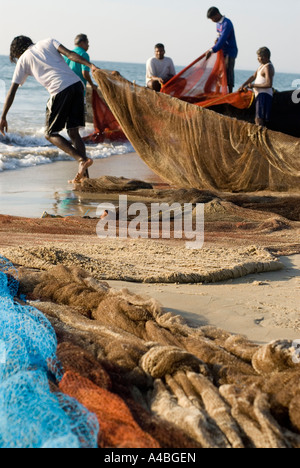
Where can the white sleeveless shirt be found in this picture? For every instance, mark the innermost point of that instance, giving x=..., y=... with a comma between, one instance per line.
x=261, y=80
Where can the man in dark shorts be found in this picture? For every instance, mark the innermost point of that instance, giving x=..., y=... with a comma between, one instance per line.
x=226, y=42
x=65, y=108
x=262, y=84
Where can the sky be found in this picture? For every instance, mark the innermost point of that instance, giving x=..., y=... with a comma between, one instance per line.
x=127, y=30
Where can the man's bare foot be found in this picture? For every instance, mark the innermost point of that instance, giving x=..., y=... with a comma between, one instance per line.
x=104, y=214
x=84, y=165
x=82, y=171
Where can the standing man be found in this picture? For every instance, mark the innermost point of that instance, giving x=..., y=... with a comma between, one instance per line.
x=226, y=42
x=159, y=69
x=83, y=71
x=262, y=84
x=65, y=107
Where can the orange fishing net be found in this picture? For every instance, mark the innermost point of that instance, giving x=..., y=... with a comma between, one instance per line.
x=117, y=425
x=204, y=83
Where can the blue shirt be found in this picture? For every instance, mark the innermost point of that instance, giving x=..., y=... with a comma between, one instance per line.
x=77, y=67
x=227, y=40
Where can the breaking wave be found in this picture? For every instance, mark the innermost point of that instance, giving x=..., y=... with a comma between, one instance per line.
x=19, y=150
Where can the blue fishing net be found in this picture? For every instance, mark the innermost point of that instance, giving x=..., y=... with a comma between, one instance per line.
x=31, y=416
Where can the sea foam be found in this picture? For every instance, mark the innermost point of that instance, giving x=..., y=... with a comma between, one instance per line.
x=19, y=150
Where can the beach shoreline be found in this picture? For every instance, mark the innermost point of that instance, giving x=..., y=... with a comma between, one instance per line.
x=239, y=304
x=31, y=191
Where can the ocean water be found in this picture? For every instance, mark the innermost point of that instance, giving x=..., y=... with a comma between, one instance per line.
x=25, y=145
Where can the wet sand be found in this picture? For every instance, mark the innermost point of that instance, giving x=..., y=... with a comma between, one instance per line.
x=31, y=191
x=262, y=306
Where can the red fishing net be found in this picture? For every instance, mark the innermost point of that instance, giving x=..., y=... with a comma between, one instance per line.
x=204, y=83
x=117, y=425
x=105, y=125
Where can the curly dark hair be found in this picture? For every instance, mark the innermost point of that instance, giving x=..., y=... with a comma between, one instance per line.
x=18, y=46
x=213, y=11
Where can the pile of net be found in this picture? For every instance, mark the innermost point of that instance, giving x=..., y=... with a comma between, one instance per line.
x=193, y=147
x=154, y=381
x=31, y=416
x=153, y=262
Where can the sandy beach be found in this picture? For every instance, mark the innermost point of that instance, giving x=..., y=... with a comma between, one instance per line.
x=196, y=324
x=149, y=234
x=263, y=305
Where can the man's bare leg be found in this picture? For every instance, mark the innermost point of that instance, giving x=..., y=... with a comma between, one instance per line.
x=79, y=154
x=65, y=145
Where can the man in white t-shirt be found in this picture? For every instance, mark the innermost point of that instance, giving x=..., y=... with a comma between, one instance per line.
x=159, y=69
x=65, y=108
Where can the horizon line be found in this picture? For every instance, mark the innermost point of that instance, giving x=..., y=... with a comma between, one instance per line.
x=179, y=66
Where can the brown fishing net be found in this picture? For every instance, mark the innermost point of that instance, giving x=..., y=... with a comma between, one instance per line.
x=154, y=381
x=203, y=83
x=192, y=147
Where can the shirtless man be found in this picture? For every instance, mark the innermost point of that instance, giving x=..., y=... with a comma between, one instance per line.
x=65, y=107
x=262, y=84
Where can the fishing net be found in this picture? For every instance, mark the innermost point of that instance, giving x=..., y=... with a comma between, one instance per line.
x=118, y=427
x=193, y=147
x=204, y=83
x=31, y=416
x=105, y=125
x=154, y=380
